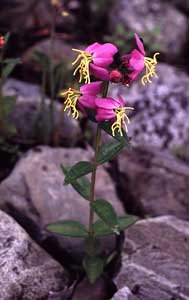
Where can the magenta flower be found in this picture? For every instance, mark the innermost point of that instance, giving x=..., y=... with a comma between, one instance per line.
x=82, y=98
x=94, y=59
x=114, y=111
x=136, y=61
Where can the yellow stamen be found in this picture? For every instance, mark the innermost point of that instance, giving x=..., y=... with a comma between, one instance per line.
x=150, y=65
x=71, y=101
x=65, y=13
x=54, y=2
x=83, y=67
x=121, y=119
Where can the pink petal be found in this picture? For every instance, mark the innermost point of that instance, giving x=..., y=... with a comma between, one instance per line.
x=92, y=47
x=82, y=109
x=136, y=61
x=103, y=55
x=139, y=44
x=91, y=88
x=106, y=103
x=126, y=57
x=104, y=114
x=98, y=72
x=87, y=101
x=133, y=75
x=102, y=61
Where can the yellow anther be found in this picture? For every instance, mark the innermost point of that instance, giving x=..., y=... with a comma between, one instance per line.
x=150, y=65
x=55, y=2
x=65, y=13
x=121, y=119
x=71, y=101
x=83, y=67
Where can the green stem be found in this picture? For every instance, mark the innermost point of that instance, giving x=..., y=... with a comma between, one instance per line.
x=42, y=108
x=92, y=190
x=93, y=181
x=1, y=86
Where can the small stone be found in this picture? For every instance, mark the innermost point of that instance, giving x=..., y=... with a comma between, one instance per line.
x=124, y=294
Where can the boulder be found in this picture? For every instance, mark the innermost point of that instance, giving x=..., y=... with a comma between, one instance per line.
x=25, y=15
x=155, y=262
x=27, y=115
x=27, y=271
x=61, y=55
x=153, y=182
x=161, y=109
x=143, y=16
x=35, y=195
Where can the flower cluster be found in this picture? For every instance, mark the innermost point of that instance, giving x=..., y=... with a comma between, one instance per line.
x=96, y=61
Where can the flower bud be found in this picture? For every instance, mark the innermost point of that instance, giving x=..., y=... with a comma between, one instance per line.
x=115, y=76
x=2, y=41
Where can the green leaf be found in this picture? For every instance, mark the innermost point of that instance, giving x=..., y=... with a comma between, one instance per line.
x=81, y=185
x=8, y=104
x=106, y=126
x=42, y=59
x=108, y=151
x=6, y=37
x=78, y=170
x=102, y=229
x=126, y=221
x=68, y=228
x=93, y=267
x=9, y=67
x=106, y=212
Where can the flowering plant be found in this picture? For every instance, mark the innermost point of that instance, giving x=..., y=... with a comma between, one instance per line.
x=110, y=115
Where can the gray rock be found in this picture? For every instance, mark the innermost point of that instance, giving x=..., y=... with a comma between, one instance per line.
x=35, y=190
x=161, y=109
x=62, y=53
x=100, y=290
x=26, y=115
x=124, y=294
x=144, y=16
x=154, y=182
x=26, y=15
x=183, y=5
x=155, y=262
x=27, y=271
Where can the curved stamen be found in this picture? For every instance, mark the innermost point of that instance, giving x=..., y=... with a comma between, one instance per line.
x=83, y=67
x=71, y=101
x=121, y=119
x=150, y=65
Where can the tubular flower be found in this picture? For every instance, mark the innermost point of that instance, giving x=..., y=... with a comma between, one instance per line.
x=81, y=99
x=2, y=41
x=136, y=61
x=94, y=59
x=114, y=111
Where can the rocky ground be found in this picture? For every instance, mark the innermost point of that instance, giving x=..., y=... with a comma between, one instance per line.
x=150, y=180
